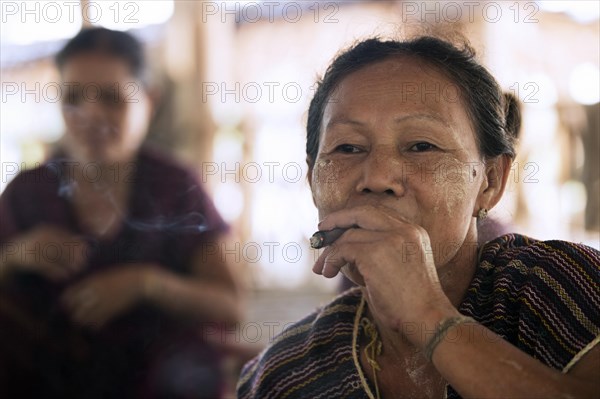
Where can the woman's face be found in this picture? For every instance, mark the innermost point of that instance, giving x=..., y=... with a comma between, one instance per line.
x=106, y=110
x=395, y=134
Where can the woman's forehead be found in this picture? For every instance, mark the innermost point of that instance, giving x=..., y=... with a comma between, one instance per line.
x=396, y=85
x=396, y=92
x=404, y=73
x=96, y=67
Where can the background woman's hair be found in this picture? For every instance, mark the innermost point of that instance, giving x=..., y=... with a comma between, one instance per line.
x=101, y=40
x=495, y=116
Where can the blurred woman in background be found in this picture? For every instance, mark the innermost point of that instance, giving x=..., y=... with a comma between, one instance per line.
x=110, y=257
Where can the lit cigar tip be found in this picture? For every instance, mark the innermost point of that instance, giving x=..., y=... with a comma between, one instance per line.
x=317, y=239
x=323, y=238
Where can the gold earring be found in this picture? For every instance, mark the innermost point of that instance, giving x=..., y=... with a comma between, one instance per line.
x=482, y=214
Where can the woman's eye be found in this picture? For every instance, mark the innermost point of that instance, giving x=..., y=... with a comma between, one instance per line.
x=422, y=147
x=347, y=148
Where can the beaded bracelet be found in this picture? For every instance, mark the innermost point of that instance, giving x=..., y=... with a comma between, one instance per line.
x=441, y=330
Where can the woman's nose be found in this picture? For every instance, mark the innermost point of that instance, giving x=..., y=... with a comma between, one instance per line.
x=86, y=115
x=93, y=109
x=382, y=173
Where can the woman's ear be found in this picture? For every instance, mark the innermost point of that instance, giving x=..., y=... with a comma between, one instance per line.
x=155, y=95
x=496, y=175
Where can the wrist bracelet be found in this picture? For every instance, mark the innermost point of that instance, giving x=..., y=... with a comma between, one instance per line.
x=441, y=330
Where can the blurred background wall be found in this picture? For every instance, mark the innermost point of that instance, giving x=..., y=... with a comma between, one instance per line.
x=235, y=80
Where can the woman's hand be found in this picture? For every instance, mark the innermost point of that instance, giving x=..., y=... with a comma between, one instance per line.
x=100, y=298
x=49, y=251
x=393, y=258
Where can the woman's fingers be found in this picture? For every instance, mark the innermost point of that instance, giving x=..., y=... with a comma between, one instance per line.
x=85, y=305
x=51, y=252
x=390, y=256
x=329, y=264
x=369, y=217
x=333, y=263
x=347, y=250
x=98, y=299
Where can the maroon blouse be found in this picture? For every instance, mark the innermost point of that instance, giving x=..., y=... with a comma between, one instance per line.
x=169, y=216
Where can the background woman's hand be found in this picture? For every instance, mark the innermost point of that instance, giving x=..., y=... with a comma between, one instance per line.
x=49, y=251
x=100, y=298
x=393, y=258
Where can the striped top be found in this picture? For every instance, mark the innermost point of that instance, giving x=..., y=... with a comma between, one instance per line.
x=542, y=296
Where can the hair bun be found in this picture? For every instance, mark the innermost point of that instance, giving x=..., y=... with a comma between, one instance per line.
x=512, y=114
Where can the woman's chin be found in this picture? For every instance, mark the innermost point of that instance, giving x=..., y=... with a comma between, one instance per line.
x=101, y=156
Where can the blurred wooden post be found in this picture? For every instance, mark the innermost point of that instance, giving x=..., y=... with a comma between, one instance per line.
x=85, y=22
x=192, y=128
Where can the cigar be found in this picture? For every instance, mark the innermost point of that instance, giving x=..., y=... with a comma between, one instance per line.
x=324, y=238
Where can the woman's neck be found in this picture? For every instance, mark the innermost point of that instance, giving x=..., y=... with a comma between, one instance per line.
x=100, y=197
x=402, y=367
x=95, y=176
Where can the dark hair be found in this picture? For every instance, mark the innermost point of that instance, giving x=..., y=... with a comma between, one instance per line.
x=512, y=110
x=110, y=42
x=495, y=116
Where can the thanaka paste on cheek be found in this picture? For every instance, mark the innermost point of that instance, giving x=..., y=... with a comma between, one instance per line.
x=326, y=186
x=452, y=179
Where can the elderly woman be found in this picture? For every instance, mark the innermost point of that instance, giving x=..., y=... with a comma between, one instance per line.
x=408, y=147
x=110, y=252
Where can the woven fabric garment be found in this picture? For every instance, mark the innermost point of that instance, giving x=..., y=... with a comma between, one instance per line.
x=542, y=296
